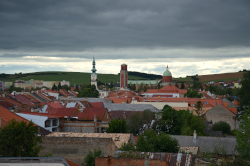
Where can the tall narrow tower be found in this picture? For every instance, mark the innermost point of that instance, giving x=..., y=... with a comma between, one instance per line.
x=94, y=75
x=123, y=76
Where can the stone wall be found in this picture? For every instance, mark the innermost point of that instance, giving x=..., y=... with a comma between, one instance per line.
x=102, y=161
x=76, y=148
x=218, y=113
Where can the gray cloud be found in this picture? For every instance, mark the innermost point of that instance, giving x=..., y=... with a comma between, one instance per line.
x=81, y=25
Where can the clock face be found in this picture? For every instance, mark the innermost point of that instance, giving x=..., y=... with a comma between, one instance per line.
x=93, y=75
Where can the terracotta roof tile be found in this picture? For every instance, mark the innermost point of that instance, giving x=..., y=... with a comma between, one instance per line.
x=97, y=104
x=55, y=105
x=5, y=105
x=7, y=115
x=71, y=163
x=69, y=112
x=91, y=112
x=10, y=101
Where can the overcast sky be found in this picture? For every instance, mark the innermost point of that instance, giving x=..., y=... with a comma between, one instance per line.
x=190, y=36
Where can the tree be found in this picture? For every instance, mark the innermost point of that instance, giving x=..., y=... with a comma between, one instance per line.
x=117, y=126
x=59, y=86
x=198, y=107
x=140, y=121
x=182, y=85
x=244, y=95
x=179, y=122
x=54, y=87
x=222, y=126
x=89, y=91
x=150, y=141
x=192, y=94
x=66, y=87
x=19, y=139
x=89, y=160
x=243, y=136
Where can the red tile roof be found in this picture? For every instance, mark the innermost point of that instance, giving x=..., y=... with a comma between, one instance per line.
x=167, y=89
x=97, y=104
x=23, y=99
x=50, y=116
x=90, y=113
x=7, y=115
x=10, y=101
x=69, y=112
x=5, y=105
x=55, y=105
x=119, y=101
x=71, y=163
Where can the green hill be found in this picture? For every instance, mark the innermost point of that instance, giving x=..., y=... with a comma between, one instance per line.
x=74, y=77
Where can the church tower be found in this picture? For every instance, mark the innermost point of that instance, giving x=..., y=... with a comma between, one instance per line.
x=123, y=77
x=94, y=75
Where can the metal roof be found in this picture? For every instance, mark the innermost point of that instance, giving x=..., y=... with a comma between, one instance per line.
x=208, y=144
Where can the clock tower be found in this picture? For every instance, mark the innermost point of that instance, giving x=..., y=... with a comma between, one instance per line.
x=94, y=75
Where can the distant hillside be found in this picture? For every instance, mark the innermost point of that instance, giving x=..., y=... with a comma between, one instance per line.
x=74, y=77
x=144, y=75
x=223, y=76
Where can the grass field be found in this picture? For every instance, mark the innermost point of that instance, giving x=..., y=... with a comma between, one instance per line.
x=74, y=77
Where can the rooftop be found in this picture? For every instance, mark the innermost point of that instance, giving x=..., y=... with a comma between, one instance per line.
x=118, y=138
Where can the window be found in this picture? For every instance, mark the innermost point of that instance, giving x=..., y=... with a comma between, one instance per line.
x=54, y=129
x=47, y=123
x=54, y=122
x=206, y=102
x=215, y=103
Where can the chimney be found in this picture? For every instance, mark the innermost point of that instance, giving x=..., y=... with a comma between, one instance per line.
x=95, y=118
x=124, y=116
x=195, y=136
x=3, y=95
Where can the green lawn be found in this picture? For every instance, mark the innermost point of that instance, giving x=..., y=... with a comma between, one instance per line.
x=74, y=77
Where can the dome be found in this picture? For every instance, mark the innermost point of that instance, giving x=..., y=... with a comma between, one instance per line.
x=167, y=73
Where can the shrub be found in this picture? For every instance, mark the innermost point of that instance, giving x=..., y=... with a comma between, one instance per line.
x=222, y=126
x=89, y=160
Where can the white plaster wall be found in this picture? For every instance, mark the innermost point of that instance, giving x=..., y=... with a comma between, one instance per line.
x=54, y=94
x=160, y=105
x=38, y=120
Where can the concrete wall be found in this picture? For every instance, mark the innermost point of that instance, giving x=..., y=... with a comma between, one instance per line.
x=76, y=148
x=84, y=127
x=101, y=161
x=160, y=105
x=218, y=113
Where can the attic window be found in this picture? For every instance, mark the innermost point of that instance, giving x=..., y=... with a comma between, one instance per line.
x=125, y=92
x=116, y=138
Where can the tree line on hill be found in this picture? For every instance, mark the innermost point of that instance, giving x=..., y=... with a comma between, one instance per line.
x=144, y=75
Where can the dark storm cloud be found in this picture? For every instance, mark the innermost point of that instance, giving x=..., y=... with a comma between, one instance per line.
x=80, y=25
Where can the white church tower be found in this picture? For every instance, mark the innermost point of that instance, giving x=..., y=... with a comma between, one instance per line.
x=94, y=75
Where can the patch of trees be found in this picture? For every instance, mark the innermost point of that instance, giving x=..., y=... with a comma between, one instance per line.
x=179, y=122
x=222, y=126
x=151, y=141
x=144, y=75
x=88, y=91
x=220, y=90
x=17, y=89
x=193, y=94
x=19, y=139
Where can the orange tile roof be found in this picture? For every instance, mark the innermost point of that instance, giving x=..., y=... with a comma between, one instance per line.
x=55, y=105
x=71, y=163
x=119, y=101
x=50, y=116
x=167, y=89
x=7, y=115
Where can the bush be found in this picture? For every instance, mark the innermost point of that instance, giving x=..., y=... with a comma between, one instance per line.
x=222, y=126
x=89, y=160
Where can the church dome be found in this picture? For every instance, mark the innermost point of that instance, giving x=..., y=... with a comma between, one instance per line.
x=167, y=73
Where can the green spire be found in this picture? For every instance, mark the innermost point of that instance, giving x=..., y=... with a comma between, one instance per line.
x=93, y=69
